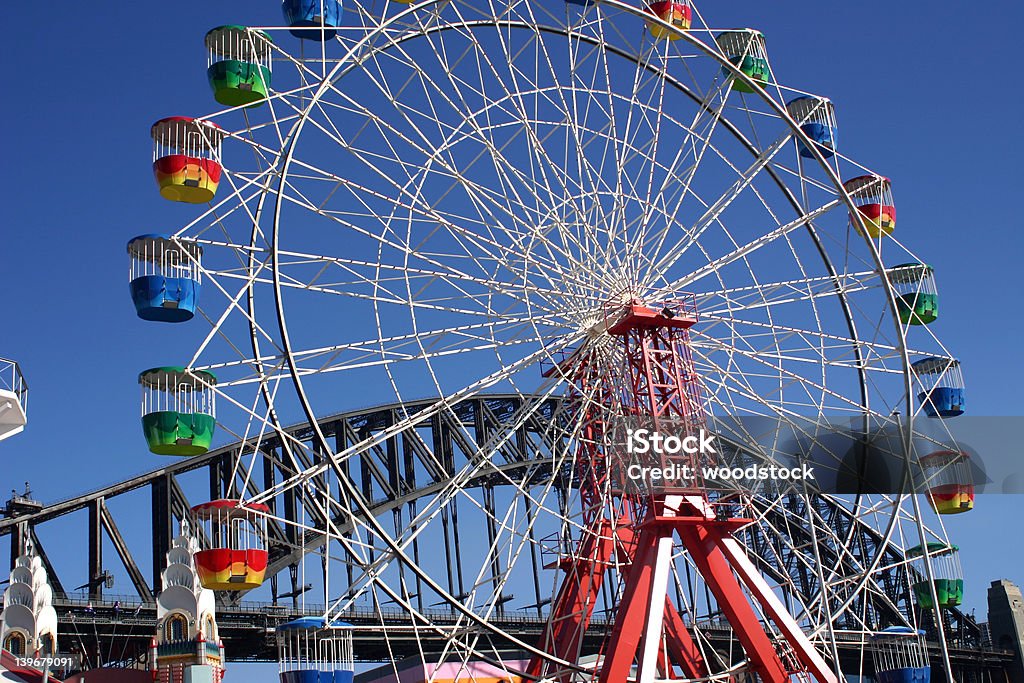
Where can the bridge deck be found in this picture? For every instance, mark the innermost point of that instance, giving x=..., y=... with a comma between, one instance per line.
x=248, y=633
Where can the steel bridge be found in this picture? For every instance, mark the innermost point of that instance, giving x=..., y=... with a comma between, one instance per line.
x=123, y=634
x=118, y=628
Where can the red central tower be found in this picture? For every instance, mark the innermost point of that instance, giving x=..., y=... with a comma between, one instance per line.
x=634, y=526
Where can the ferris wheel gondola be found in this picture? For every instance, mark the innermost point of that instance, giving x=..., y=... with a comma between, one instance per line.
x=873, y=196
x=918, y=298
x=941, y=383
x=238, y=65
x=165, y=278
x=746, y=49
x=235, y=556
x=316, y=20
x=817, y=119
x=178, y=410
x=948, y=581
x=901, y=656
x=310, y=650
x=186, y=159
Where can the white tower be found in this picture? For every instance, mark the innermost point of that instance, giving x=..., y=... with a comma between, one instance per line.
x=28, y=622
x=187, y=647
x=13, y=399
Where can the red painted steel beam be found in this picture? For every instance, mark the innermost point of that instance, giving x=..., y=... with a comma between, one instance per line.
x=632, y=615
x=680, y=646
x=804, y=650
x=574, y=607
x=714, y=567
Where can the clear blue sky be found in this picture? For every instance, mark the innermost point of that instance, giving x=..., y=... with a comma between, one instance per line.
x=926, y=94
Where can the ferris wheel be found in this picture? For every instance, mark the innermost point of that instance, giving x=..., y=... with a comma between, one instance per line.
x=597, y=212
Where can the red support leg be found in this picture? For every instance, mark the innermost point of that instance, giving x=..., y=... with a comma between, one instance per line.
x=681, y=649
x=632, y=615
x=573, y=608
x=715, y=569
x=804, y=650
x=647, y=616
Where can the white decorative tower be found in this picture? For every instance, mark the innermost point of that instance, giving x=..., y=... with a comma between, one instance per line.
x=187, y=647
x=28, y=622
x=13, y=399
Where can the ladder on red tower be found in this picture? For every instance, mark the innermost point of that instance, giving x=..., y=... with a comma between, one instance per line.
x=662, y=388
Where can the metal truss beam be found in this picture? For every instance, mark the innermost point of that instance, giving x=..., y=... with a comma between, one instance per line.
x=434, y=451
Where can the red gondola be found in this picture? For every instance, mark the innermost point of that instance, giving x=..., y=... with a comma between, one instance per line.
x=235, y=556
x=186, y=159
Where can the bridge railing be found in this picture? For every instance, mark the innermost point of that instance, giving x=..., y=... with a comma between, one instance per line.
x=128, y=605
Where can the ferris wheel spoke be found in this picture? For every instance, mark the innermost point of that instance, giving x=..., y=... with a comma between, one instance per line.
x=489, y=245
x=372, y=277
x=775, y=335
x=787, y=379
x=455, y=489
x=379, y=346
x=737, y=385
x=455, y=293
x=587, y=238
x=442, y=404
x=233, y=307
x=712, y=108
x=225, y=208
x=650, y=119
x=779, y=293
x=397, y=243
x=674, y=189
x=574, y=139
x=747, y=249
x=501, y=164
x=216, y=326
x=876, y=349
x=613, y=143
x=719, y=206
x=541, y=161
x=419, y=347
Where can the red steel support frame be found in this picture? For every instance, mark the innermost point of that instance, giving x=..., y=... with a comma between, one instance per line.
x=648, y=629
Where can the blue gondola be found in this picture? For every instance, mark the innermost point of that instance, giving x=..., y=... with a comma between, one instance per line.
x=900, y=656
x=311, y=651
x=312, y=19
x=165, y=282
x=941, y=386
x=817, y=119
